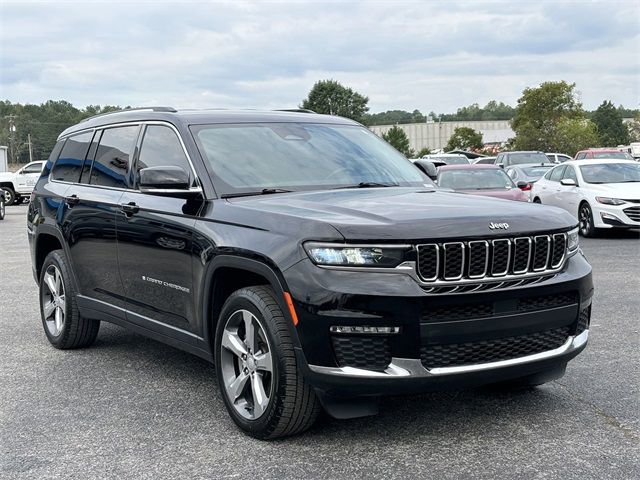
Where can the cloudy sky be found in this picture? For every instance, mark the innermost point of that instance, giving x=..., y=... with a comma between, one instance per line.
x=429, y=55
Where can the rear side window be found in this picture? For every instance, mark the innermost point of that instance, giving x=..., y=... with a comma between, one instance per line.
x=69, y=164
x=556, y=174
x=570, y=173
x=161, y=147
x=111, y=164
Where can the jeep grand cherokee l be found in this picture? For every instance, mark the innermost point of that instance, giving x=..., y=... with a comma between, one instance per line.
x=307, y=259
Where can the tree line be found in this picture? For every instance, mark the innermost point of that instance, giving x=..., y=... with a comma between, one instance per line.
x=548, y=118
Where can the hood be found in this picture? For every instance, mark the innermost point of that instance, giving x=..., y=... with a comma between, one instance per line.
x=629, y=191
x=510, y=194
x=400, y=213
x=7, y=176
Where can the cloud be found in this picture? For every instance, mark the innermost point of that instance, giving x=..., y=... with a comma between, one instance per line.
x=427, y=55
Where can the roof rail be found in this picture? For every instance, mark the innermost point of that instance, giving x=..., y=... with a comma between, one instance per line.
x=294, y=110
x=153, y=109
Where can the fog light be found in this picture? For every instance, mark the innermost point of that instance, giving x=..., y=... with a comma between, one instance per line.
x=364, y=329
x=609, y=216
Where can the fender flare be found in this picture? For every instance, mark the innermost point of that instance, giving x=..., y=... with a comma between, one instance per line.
x=260, y=267
x=46, y=229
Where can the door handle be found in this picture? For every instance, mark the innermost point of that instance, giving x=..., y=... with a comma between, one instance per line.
x=72, y=200
x=129, y=208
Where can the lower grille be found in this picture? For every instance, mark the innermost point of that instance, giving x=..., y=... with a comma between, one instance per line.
x=583, y=320
x=473, y=353
x=373, y=353
x=633, y=213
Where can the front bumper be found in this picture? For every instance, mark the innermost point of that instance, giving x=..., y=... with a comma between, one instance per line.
x=616, y=216
x=325, y=298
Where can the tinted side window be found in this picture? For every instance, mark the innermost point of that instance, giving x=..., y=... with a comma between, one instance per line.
x=33, y=168
x=579, y=156
x=556, y=174
x=69, y=164
x=513, y=174
x=111, y=164
x=161, y=147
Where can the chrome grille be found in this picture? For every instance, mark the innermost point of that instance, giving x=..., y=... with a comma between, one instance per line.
x=633, y=213
x=483, y=260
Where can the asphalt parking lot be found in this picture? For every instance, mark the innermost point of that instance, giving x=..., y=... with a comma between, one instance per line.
x=133, y=408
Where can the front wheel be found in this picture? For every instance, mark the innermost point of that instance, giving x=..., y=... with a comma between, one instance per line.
x=585, y=216
x=256, y=367
x=9, y=196
x=537, y=200
x=62, y=323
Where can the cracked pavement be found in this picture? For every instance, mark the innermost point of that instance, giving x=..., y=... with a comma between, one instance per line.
x=130, y=407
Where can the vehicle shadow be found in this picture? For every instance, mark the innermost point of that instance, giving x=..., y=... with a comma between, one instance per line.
x=437, y=417
x=619, y=234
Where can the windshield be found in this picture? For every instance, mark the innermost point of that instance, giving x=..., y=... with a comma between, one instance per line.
x=301, y=156
x=611, y=173
x=527, y=157
x=536, y=172
x=474, y=179
x=620, y=155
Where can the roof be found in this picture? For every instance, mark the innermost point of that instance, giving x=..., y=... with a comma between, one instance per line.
x=597, y=161
x=472, y=166
x=602, y=150
x=202, y=117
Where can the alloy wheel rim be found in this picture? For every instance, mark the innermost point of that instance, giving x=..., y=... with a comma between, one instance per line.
x=53, y=300
x=7, y=195
x=246, y=363
x=585, y=222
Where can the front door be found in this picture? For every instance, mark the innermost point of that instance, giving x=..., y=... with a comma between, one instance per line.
x=155, y=235
x=27, y=177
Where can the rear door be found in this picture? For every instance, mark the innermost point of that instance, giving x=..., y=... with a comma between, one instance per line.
x=554, y=187
x=155, y=233
x=92, y=203
x=568, y=196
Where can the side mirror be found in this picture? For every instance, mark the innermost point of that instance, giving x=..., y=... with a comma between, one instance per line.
x=568, y=182
x=501, y=165
x=166, y=180
x=428, y=168
x=524, y=186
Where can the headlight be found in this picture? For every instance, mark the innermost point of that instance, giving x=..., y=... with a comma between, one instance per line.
x=356, y=256
x=610, y=201
x=573, y=241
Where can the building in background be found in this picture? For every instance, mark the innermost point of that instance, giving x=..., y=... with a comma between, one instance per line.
x=435, y=135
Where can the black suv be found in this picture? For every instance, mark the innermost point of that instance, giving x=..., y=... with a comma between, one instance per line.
x=305, y=257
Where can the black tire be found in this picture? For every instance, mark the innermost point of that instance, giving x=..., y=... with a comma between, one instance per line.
x=9, y=196
x=585, y=217
x=1, y=206
x=18, y=200
x=293, y=406
x=76, y=331
x=537, y=200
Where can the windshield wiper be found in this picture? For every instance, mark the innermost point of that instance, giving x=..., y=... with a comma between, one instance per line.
x=367, y=185
x=264, y=191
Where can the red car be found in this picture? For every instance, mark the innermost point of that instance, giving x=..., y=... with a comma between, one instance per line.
x=596, y=153
x=486, y=180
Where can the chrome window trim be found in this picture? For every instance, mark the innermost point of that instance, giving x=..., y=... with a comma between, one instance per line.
x=129, y=124
x=412, y=367
x=444, y=269
x=506, y=271
x=486, y=258
x=515, y=246
x=417, y=263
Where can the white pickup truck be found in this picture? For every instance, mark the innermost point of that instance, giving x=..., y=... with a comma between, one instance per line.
x=19, y=185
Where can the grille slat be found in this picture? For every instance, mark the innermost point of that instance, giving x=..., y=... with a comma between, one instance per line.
x=481, y=259
x=633, y=213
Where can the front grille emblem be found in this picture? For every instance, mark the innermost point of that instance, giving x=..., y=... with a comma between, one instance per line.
x=499, y=226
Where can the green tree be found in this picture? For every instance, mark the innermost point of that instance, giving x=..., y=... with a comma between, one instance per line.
x=332, y=98
x=611, y=130
x=399, y=140
x=422, y=152
x=573, y=134
x=540, y=110
x=634, y=129
x=464, y=138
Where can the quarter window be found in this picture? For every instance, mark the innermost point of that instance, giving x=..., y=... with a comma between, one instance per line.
x=69, y=164
x=556, y=174
x=161, y=147
x=112, y=158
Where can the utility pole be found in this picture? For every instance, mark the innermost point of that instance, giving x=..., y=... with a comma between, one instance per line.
x=30, y=149
x=12, y=141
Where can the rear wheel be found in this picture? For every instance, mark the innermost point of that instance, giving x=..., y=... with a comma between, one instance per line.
x=537, y=200
x=9, y=196
x=256, y=367
x=62, y=323
x=2, y=207
x=585, y=216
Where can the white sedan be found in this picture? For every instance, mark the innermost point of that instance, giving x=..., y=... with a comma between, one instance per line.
x=603, y=193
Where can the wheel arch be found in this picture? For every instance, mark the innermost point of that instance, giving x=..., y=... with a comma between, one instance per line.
x=45, y=243
x=228, y=273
